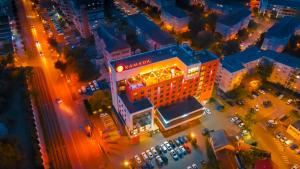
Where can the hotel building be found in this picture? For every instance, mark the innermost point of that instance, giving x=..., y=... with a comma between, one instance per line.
x=165, y=84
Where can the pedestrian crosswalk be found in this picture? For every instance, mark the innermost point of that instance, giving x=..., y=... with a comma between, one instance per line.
x=282, y=151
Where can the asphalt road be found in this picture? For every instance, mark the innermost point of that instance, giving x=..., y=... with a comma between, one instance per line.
x=55, y=143
x=83, y=152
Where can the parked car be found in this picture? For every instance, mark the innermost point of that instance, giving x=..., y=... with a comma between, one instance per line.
x=182, y=150
x=168, y=145
x=164, y=158
x=154, y=152
x=278, y=135
x=293, y=146
x=58, y=100
x=241, y=125
x=194, y=166
x=174, y=155
x=159, y=149
x=233, y=119
x=289, y=101
x=164, y=148
x=178, y=151
x=280, y=96
x=144, y=155
x=172, y=143
x=187, y=148
x=159, y=161
x=181, y=140
x=176, y=141
x=138, y=160
x=149, y=164
x=261, y=91
x=150, y=155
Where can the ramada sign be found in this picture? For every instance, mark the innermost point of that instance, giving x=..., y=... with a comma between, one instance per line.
x=123, y=67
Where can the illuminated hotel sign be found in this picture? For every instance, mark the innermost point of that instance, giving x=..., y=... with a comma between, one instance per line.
x=121, y=68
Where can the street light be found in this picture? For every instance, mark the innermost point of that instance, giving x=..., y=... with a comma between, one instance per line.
x=126, y=163
x=192, y=135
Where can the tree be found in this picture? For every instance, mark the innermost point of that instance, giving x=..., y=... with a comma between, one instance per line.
x=231, y=47
x=252, y=25
x=264, y=69
x=211, y=20
x=10, y=156
x=53, y=42
x=60, y=65
x=203, y=39
x=195, y=25
x=100, y=100
x=243, y=34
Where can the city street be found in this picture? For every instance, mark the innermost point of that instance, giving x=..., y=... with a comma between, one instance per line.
x=83, y=152
x=262, y=26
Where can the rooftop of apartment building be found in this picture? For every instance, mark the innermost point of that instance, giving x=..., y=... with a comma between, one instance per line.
x=111, y=38
x=236, y=62
x=148, y=27
x=234, y=17
x=175, y=11
x=219, y=139
x=296, y=124
x=286, y=3
x=89, y=4
x=137, y=105
x=284, y=27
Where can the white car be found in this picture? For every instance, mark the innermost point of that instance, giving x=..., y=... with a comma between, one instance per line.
x=194, y=166
x=154, y=151
x=96, y=84
x=288, y=142
x=281, y=96
x=241, y=125
x=58, y=100
x=149, y=154
x=245, y=132
x=138, y=159
x=261, y=91
x=164, y=148
x=289, y=101
x=168, y=145
x=233, y=119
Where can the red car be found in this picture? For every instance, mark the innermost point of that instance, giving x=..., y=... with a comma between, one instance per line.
x=187, y=148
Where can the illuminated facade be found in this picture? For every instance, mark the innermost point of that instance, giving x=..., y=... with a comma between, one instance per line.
x=174, y=18
x=229, y=25
x=285, y=69
x=294, y=130
x=280, y=7
x=144, y=82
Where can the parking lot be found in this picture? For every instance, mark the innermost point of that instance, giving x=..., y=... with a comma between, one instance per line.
x=270, y=114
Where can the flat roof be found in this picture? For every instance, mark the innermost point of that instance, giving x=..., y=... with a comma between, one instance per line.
x=179, y=109
x=286, y=3
x=234, y=17
x=159, y=55
x=175, y=11
x=235, y=62
x=136, y=106
x=110, y=38
x=296, y=124
x=205, y=56
x=149, y=28
x=285, y=27
x=219, y=139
